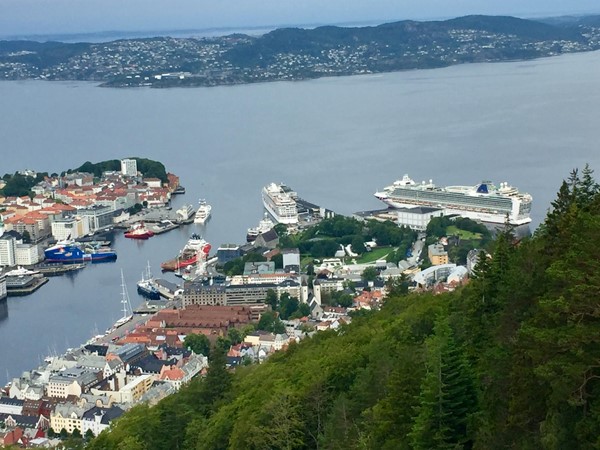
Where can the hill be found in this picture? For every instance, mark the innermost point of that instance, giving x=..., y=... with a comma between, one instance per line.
x=296, y=54
x=509, y=361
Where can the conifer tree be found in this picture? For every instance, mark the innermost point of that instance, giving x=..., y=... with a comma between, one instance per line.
x=447, y=399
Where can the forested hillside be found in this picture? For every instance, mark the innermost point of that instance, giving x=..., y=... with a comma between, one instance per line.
x=512, y=360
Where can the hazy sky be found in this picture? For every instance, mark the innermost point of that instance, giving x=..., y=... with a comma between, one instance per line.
x=22, y=17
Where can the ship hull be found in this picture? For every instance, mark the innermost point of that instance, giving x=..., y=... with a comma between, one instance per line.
x=148, y=292
x=69, y=253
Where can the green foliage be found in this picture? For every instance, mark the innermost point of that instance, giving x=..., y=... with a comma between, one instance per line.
x=269, y=321
x=198, y=343
x=447, y=399
x=370, y=274
x=287, y=306
x=236, y=266
x=18, y=185
x=148, y=168
x=508, y=361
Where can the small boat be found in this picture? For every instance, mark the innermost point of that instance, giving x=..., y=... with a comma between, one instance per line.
x=264, y=225
x=139, y=231
x=21, y=272
x=203, y=212
x=146, y=286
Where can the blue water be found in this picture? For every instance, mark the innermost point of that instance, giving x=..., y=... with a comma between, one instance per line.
x=334, y=140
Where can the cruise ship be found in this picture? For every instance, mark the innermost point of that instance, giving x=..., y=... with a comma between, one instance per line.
x=484, y=201
x=280, y=202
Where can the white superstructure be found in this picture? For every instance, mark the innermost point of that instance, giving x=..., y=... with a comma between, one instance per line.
x=279, y=201
x=484, y=202
x=203, y=212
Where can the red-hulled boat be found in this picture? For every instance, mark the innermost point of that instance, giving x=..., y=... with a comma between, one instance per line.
x=195, y=249
x=139, y=231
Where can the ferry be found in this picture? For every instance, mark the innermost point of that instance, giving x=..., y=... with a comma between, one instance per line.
x=484, y=202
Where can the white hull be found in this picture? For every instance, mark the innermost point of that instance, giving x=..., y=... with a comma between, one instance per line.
x=279, y=219
x=475, y=215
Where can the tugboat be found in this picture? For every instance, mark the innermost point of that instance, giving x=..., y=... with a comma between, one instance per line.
x=139, y=231
x=146, y=286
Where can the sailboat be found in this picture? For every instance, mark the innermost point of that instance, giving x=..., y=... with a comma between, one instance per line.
x=127, y=311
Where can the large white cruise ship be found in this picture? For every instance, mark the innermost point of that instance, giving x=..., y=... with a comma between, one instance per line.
x=484, y=201
x=280, y=202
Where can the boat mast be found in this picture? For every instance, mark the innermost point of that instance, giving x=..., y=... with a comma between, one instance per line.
x=125, y=298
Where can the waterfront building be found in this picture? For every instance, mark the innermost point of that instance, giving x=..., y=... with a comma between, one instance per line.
x=8, y=249
x=98, y=217
x=3, y=293
x=27, y=254
x=129, y=167
x=72, y=227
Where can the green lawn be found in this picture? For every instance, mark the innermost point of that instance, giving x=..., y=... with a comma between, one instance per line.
x=453, y=231
x=374, y=255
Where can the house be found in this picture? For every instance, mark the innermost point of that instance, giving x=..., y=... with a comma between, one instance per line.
x=67, y=416
x=98, y=419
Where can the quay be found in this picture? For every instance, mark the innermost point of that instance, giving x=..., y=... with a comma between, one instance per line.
x=24, y=285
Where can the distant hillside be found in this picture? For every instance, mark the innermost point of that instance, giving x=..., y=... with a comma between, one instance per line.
x=295, y=53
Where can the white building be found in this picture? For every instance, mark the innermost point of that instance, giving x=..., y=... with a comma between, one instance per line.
x=8, y=250
x=70, y=228
x=3, y=293
x=417, y=218
x=27, y=254
x=129, y=167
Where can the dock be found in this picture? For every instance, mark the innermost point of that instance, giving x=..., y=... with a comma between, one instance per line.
x=24, y=285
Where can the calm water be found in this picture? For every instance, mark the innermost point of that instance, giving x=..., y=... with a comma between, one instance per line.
x=334, y=140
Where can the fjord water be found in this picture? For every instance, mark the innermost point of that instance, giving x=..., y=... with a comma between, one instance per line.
x=334, y=140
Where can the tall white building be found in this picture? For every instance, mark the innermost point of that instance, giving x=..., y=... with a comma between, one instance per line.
x=129, y=167
x=8, y=250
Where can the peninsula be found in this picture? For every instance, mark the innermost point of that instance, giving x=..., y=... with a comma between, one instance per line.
x=298, y=54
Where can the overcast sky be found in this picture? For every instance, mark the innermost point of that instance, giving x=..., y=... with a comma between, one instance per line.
x=23, y=17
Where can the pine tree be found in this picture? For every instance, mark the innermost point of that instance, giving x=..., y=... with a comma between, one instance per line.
x=447, y=399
